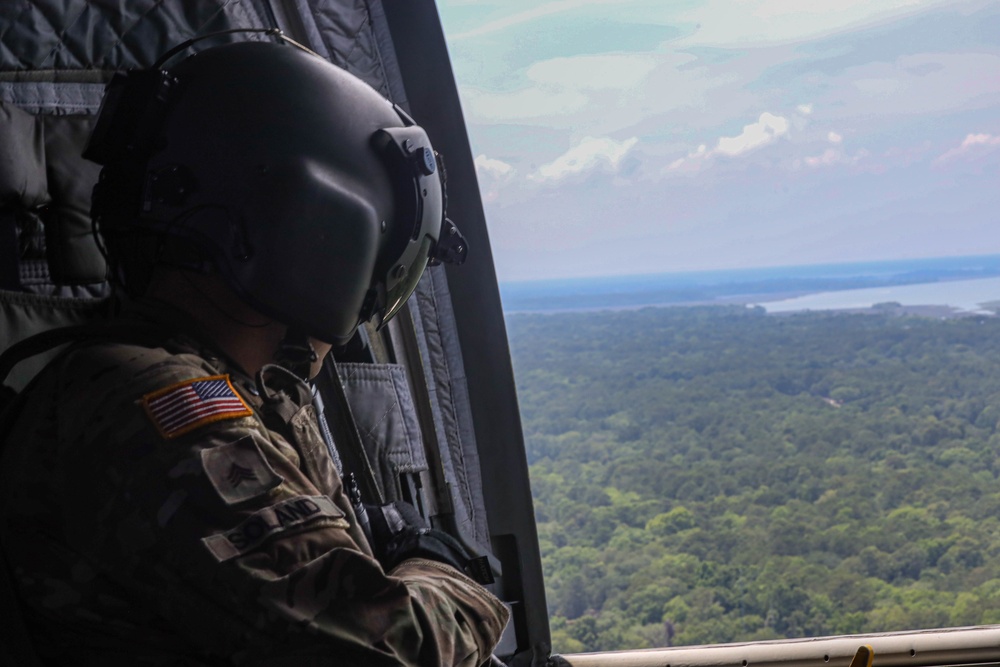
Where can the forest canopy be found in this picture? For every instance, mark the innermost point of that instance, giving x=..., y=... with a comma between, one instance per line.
x=717, y=474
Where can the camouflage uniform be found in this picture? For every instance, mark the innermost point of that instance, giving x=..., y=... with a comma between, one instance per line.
x=223, y=540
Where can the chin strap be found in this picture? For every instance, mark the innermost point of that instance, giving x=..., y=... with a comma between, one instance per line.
x=296, y=353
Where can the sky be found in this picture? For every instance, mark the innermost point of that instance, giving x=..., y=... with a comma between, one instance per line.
x=623, y=137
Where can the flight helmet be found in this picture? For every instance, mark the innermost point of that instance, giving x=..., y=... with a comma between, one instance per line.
x=318, y=201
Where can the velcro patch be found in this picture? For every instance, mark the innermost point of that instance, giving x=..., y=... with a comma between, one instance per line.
x=268, y=522
x=239, y=471
x=184, y=406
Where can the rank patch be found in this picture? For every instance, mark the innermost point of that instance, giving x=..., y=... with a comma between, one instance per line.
x=183, y=407
x=239, y=471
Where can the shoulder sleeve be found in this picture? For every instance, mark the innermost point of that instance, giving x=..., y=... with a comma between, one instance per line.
x=251, y=560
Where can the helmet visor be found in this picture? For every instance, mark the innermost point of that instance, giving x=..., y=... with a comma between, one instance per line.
x=397, y=295
x=418, y=214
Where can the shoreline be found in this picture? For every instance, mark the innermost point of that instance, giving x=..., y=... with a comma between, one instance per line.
x=935, y=311
x=945, y=298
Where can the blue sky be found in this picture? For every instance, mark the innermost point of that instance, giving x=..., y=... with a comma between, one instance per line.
x=644, y=136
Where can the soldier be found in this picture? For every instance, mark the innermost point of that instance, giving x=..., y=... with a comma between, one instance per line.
x=171, y=497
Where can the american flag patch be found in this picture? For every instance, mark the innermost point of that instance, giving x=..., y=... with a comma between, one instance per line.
x=183, y=407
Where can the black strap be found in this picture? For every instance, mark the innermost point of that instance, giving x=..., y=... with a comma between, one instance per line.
x=46, y=340
x=37, y=344
x=345, y=430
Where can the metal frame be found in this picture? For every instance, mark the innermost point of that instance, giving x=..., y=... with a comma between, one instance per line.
x=433, y=101
x=925, y=648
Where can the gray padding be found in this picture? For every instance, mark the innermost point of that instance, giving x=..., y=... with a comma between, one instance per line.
x=387, y=54
x=53, y=98
x=45, y=190
x=22, y=160
x=74, y=258
x=111, y=34
x=24, y=315
x=346, y=30
x=437, y=337
x=383, y=409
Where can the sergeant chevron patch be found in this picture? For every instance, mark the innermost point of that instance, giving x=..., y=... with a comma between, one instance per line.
x=184, y=406
x=239, y=471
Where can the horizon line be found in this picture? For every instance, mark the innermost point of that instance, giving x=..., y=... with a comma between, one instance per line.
x=771, y=267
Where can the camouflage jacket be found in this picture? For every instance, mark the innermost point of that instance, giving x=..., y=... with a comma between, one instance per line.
x=166, y=509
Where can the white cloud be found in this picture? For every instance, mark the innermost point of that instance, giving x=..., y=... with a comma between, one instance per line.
x=494, y=168
x=767, y=128
x=690, y=164
x=834, y=138
x=804, y=109
x=831, y=157
x=973, y=144
x=980, y=140
x=591, y=153
x=493, y=174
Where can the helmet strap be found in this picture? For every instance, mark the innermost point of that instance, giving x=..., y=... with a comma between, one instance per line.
x=296, y=353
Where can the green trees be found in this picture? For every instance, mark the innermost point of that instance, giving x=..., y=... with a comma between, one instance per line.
x=715, y=474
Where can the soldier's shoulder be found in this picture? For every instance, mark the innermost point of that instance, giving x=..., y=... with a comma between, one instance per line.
x=131, y=388
x=116, y=363
x=105, y=376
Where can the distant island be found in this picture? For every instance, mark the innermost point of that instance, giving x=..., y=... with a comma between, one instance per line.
x=742, y=286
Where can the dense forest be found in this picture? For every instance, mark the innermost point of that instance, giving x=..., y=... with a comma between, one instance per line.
x=713, y=474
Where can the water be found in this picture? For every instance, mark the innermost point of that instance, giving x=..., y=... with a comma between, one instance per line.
x=964, y=296
x=960, y=282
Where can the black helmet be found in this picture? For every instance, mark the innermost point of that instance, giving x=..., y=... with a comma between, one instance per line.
x=317, y=200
